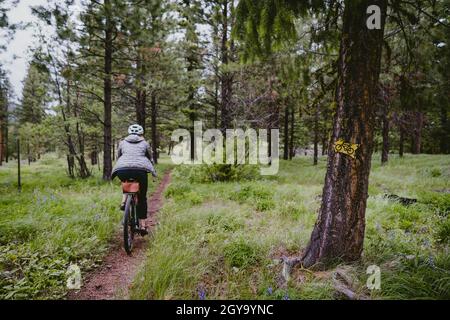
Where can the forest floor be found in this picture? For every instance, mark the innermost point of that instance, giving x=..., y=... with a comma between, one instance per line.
x=223, y=240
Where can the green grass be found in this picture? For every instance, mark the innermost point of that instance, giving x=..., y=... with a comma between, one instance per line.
x=224, y=240
x=54, y=222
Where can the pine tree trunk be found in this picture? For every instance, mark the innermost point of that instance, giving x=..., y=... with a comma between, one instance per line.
x=291, y=140
x=339, y=230
x=324, y=145
x=3, y=110
x=417, y=133
x=2, y=138
x=70, y=166
x=286, y=133
x=226, y=77
x=107, y=92
x=94, y=157
x=385, y=150
x=141, y=96
x=155, y=142
x=316, y=135
x=140, y=107
x=401, y=141
x=445, y=131
x=6, y=136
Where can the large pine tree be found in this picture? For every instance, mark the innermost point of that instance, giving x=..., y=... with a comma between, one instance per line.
x=339, y=230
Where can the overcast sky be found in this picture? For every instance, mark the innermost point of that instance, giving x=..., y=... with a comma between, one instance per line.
x=18, y=47
x=16, y=57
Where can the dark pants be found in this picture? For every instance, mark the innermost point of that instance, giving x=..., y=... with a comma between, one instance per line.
x=141, y=177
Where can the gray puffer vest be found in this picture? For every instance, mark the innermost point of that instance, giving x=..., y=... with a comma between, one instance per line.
x=134, y=153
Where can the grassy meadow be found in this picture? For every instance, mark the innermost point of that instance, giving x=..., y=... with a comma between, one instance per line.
x=225, y=239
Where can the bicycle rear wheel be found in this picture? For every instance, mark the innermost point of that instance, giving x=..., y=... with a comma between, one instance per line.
x=128, y=224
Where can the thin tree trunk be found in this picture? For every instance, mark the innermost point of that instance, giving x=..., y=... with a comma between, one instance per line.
x=445, y=130
x=3, y=115
x=2, y=138
x=70, y=166
x=417, y=133
x=6, y=137
x=291, y=140
x=83, y=171
x=107, y=92
x=155, y=142
x=94, y=157
x=316, y=135
x=226, y=77
x=286, y=133
x=385, y=150
x=141, y=97
x=324, y=145
x=339, y=230
x=401, y=141
x=113, y=150
x=28, y=153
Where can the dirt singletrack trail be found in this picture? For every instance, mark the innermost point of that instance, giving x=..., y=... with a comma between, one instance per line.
x=113, y=278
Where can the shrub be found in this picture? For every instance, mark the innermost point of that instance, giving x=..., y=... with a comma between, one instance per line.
x=292, y=209
x=217, y=172
x=443, y=232
x=436, y=173
x=440, y=202
x=258, y=195
x=193, y=197
x=264, y=204
x=225, y=223
x=178, y=189
x=241, y=253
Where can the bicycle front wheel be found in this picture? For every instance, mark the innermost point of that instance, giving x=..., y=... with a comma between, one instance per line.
x=128, y=225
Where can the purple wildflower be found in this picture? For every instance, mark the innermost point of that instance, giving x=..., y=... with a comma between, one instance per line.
x=201, y=294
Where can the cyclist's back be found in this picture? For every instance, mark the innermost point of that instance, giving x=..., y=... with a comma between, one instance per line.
x=134, y=162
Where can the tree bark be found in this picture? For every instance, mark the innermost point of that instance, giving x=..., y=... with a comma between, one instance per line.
x=141, y=96
x=316, y=135
x=401, y=140
x=6, y=137
x=83, y=171
x=226, y=78
x=2, y=138
x=291, y=140
x=385, y=150
x=107, y=92
x=417, y=133
x=445, y=128
x=324, y=145
x=339, y=230
x=155, y=142
x=286, y=133
x=94, y=157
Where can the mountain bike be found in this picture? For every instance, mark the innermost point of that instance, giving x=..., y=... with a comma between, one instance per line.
x=130, y=219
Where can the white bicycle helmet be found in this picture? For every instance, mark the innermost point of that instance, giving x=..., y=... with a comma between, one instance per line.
x=135, y=129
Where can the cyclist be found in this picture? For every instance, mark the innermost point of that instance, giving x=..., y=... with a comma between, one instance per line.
x=134, y=161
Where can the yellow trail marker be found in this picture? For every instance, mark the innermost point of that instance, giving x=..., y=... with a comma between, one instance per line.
x=346, y=148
